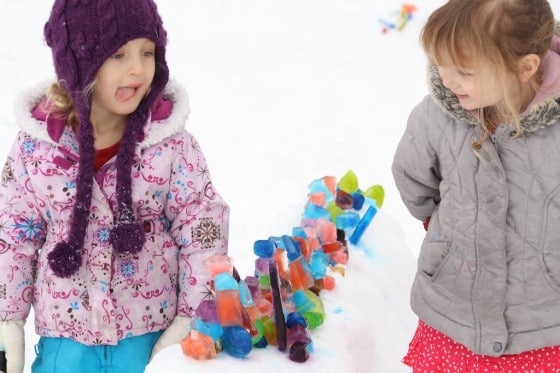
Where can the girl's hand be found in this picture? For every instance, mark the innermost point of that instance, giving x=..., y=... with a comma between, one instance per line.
x=174, y=333
x=427, y=223
x=12, y=340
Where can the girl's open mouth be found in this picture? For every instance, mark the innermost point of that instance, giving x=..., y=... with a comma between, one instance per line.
x=126, y=93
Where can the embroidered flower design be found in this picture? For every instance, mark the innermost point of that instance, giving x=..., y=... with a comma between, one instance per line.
x=128, y=268
x=29, y=146
x=7, y=172
x=29, y=229
x=103, y=235
x=85, y=299
x=207, y=232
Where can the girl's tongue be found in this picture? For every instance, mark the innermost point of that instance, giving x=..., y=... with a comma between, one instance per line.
x=125, y=93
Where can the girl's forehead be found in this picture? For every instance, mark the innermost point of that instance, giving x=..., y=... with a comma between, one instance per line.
x=444, y=58
x=461, y=56
x=138, y=42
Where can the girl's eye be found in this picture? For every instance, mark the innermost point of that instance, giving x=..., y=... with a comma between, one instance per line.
x=465, y=74
x=118, y=56
x=148, y=53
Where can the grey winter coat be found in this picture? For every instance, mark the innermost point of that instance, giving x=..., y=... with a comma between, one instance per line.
x=489, y=266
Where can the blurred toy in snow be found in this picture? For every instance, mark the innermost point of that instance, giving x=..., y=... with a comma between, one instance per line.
x=402, y=18
x=279, y=303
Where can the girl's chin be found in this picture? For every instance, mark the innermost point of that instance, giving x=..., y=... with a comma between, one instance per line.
x=124, y=110
x=467, y=104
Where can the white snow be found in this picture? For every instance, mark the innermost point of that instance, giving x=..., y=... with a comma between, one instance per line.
x=283, y=92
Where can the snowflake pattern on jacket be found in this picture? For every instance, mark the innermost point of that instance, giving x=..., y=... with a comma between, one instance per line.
x=112, y=296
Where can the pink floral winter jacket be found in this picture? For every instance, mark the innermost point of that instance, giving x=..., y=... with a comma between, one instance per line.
x=112, y=296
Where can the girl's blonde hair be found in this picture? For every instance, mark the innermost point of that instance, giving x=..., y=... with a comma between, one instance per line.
x=497, y=32
x=60, y=104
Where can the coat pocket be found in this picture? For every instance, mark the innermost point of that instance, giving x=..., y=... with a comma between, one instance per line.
x=551, y=242
x=432, y=258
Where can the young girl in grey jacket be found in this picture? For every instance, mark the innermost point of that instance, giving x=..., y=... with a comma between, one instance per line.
x=480, y=161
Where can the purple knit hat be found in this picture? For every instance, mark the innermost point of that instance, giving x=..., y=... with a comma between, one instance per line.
x=82, y=35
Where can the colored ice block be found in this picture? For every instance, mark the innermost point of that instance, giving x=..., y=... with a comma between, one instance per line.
x=298, y=338
x=330, y=183
x=318, y=264
x=279, y=321
x=245, y=294
x=358, y=200
x=269, y=329
x=236, y=341
x=348, y=182
x=318, y=198
x=198, y=345
x=329, y=282
x=206, y=311
x=377, y=193
x=264, y=248
x=257, y=339
x=300, y=274
x=281, y=259
x=218, y=264
x=313, y=211
x=225, y=281
x=363, y=224
x=304, y=245
x=253, y=285
x=347, y=220
x=310, y=306
x=334, y=210
x=211, y=329
x=293, y=249
x=317, y=186
x=261, y=267
x=228, y=301
x=344, y=200
x=299, y=352
x=229, y=307
x=326, y=231
x=299, y=232
x=333, y=247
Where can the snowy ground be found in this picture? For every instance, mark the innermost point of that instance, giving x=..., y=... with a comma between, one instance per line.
x=283, y=92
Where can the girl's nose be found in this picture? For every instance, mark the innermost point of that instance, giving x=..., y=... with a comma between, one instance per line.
x=136, y=66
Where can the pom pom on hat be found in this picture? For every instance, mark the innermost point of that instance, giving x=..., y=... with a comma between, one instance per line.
x=128, y=238
x=82, y=35
x=65, y=259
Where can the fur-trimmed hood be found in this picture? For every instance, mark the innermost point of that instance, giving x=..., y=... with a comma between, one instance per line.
x=154, y=132
x=543, y=111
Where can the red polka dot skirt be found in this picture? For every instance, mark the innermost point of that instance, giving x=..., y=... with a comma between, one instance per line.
x=431, y=351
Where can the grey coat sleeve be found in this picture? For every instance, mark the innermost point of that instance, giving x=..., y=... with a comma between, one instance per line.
x=416, y=166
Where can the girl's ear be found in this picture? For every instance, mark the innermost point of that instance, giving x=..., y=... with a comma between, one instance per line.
x=528, y=66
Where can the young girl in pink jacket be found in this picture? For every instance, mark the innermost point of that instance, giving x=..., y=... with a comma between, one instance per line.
x=107, y=210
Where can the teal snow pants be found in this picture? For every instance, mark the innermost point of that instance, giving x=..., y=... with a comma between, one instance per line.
x=63, y=355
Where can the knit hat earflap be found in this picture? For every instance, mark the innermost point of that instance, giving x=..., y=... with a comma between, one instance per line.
x=82, y=35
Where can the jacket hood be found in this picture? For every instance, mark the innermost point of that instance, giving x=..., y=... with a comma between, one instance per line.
x=167, y=116
x=543, y=111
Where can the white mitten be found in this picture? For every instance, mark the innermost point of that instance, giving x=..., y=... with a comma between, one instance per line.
x=174, y=333
x=12, y=340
